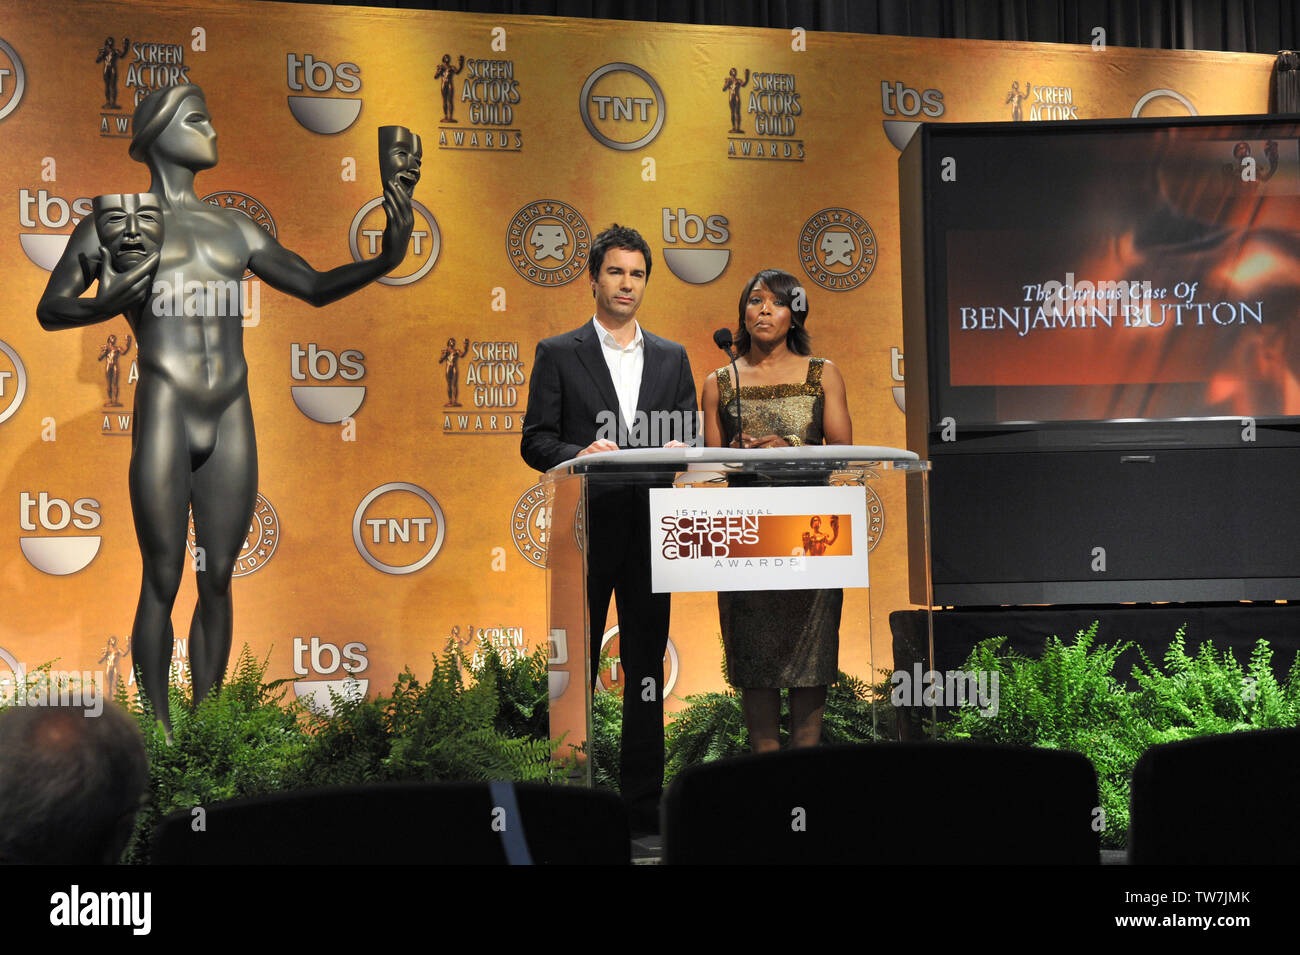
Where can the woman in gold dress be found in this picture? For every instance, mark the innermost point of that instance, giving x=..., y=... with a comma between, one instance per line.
x=788, y=638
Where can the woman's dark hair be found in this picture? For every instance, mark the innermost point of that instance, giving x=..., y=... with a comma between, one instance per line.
x=617, y=237
x=788, y=290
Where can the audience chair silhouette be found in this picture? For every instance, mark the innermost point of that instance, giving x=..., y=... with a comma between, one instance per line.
x=404, y=823
x=926, y=803
x=1220, y=800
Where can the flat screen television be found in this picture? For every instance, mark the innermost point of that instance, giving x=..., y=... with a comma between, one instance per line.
x=1102, y=283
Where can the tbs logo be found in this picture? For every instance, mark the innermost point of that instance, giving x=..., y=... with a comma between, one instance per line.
x=58, y=555
x=695, y=265
x=326, y=115
x=315, y=656
x=328, y=404
x=897, y=99
x=51, y=212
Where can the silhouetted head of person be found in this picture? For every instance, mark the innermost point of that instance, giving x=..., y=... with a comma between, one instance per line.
x=70, y=784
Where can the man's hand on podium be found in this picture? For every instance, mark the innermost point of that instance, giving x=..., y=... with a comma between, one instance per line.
x=600, y=444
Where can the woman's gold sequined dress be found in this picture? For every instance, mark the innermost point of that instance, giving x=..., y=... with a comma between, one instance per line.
x=778, y=638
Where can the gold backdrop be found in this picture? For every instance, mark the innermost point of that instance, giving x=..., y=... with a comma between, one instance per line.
x=561, y=127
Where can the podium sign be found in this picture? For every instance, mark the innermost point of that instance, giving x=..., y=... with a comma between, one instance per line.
x=757, y=538
x=717, y=519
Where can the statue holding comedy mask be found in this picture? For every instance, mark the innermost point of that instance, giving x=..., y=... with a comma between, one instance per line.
x=193, y=446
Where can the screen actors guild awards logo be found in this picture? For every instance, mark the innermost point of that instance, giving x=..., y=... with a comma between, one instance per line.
x=837, y=249
x=451, y=358
x=493, y=374
x=109, y=659
x=773, y=105
x=446, y=74
x=109, y=354
x=489, y=93
x=548, y=242
x=732, y=86
x=153, y=66
x=1045, y=102
x=109, y=55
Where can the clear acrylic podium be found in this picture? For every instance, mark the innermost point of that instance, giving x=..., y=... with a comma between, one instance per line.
x=882, y=481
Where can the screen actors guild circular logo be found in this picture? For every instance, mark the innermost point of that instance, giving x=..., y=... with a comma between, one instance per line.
x=13, y=79
x=530, y=524
x=398, y=528
x=548, y=242
x=622, y=106
x=259, y=545
x=837, y=249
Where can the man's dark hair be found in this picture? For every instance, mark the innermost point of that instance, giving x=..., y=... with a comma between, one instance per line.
x=785, y=287
x=70, y=784
x=617, y=237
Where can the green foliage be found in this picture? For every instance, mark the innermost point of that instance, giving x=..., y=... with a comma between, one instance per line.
x=606, y=742
x=712, y=726
x=240, y=742
x=1070, y=699
x=443, y=728
x=248, y=740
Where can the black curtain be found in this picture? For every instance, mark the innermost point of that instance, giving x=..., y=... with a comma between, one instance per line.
x=1238, y=26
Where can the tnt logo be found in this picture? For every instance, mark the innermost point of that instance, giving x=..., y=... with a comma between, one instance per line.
x=684, y=233
x=328, y=404
x=326, y=115
x=50, y=212
x=622, y=106
x=316, y=656
x=13, y=382
x=366, y=234
x=62, y=554
x=13, y=79
x=398, y=528
x=611, y=676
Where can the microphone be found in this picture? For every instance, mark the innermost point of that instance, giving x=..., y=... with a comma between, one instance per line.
x=722, y=338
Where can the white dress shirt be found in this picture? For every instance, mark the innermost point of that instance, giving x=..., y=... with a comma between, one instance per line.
x=625, y=367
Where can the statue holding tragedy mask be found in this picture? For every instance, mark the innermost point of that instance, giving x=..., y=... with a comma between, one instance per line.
x=193, y=446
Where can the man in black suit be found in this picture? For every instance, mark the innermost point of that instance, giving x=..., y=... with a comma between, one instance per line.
x=588, y=388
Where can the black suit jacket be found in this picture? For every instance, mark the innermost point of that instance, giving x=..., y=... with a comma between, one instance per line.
x=571, y=386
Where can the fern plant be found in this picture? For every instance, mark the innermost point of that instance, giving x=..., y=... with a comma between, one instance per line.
x=1070, y=698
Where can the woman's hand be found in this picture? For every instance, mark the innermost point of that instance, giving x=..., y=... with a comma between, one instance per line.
x=766, y=441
